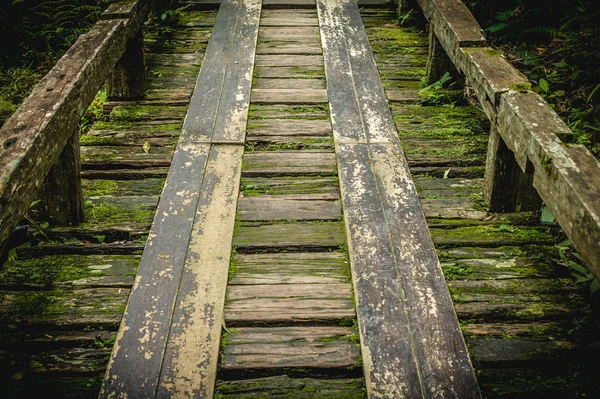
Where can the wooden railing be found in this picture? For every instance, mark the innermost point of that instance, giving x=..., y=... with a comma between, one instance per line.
x=40, y=142
x=529, y=152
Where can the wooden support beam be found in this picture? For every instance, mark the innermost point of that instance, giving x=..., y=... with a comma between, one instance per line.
x=438, y=62
x=506, y=187
x=127, y=80
x=63, y=197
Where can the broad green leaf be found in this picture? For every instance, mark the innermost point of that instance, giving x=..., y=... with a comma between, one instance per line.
x=544, y=85
x=146, y=147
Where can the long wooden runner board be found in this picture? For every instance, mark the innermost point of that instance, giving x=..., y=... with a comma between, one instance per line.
x=412, y=345
x=168, y=342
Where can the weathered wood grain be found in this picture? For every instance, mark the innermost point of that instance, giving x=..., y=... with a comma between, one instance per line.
x=289, y=127
x=289, y=347
x=290, y=235
x=293, y=388
x=289, y=163
x=400, y=293
x=266, y=208
x=286, y=303
x=289, y=96
x=289, y=268
x=191, y=356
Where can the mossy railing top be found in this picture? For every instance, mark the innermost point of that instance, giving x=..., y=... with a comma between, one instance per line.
x=34, y=137
x=566, y=176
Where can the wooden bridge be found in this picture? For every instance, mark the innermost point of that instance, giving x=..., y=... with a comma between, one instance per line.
x=314, y=228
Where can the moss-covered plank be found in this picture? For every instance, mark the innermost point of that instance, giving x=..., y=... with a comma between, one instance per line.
x=292, y=388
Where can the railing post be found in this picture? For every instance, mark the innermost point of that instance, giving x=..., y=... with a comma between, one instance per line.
x=506, y=187
x=438, y=62
x=127, y=81
x=62, y=190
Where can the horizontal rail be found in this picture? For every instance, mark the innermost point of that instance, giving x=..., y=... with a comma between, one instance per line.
x=35, y=135
x=566, y=176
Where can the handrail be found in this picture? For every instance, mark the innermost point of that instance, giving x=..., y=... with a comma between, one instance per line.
x=566, y=176
x=34, y=137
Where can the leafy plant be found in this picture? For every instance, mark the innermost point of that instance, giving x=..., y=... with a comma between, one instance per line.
x=584, y=279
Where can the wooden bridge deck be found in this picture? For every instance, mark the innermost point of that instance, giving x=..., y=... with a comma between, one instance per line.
x=289, y=325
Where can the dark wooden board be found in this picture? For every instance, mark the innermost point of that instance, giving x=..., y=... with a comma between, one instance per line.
x=292, y=388
x=290, y=235
x=320, y=348
x=289, y=163
x=268, y=208
x=400, y=292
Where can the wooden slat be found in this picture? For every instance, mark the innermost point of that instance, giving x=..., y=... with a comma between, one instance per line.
x=283, y=162
x=290, y=84
x=268, y=208
x=289, y=60
x=289, y=96
x=322, y=348
x=289, y=268
x=289, y=127
x=290, y=235
x=285, y=303
x=292, y=388
x=400, y=290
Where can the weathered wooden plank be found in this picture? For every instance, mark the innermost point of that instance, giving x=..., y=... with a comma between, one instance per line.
x=286, y=47
x=139, y=350
x=295, y=187
x=289, y=60
x=292, y=388
x=223, y=83
x=289, y=96
x=289, y=268
x=268, y=208
x=322, y=348
x=191, y=356
x=400, y=292
x=272, y=303
x=289, y=163
x=289, y=127
x=309, y=84
x=289, y=72
x=290, y=235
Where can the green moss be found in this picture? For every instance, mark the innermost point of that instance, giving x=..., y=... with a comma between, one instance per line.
x=546, y=163
x=456, y=271
x=492, y=53
x=19, y=306
x=44, y=271
x=107, y=212
x=521, y=87
x=100, y=187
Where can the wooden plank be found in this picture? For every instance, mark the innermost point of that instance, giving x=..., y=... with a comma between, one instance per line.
x=201, y=195
x=289, y=60
x=272, y=303
x=291, y=186
x=290, y=235
x=292, y=388
x=286, y=47
x=289, y=163
x=290, y=84
x=322, y=348
x=304, y=34
x=289, y=96
x=290, y=72
x=289, y=127
x=235, y=33
x=289, y=268
x=138, y=352
x=267, y=208
x=191, y=356
x=400, y=292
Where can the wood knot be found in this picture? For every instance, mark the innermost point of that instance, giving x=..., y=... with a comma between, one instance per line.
x=9, y=143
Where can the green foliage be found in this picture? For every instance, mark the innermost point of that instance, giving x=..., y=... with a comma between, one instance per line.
x=36, y=33
x=94, y=113
x=584, y=279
